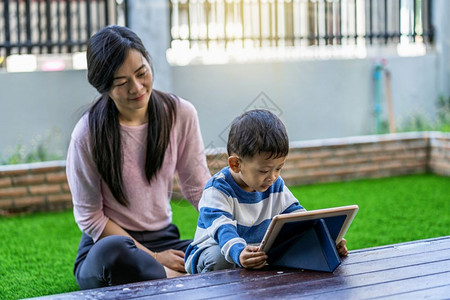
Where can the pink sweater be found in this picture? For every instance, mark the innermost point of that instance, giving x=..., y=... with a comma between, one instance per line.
x=149, y=208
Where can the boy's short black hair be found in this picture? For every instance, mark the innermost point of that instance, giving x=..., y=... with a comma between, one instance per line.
x=258, y=131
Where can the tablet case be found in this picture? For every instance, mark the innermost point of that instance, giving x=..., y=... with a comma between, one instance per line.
x=307, y=245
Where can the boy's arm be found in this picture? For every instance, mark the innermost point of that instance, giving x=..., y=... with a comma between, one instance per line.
x=291, y=202
x=230, y=243
x=216, y=218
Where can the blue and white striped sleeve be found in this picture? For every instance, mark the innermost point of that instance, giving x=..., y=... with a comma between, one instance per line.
x=291, y=202
x=216, y=219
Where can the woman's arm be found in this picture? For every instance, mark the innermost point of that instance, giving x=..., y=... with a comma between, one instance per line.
x=85, y=183
x=191, y=166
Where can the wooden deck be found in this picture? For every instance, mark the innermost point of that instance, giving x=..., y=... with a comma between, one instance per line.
x=413, y=270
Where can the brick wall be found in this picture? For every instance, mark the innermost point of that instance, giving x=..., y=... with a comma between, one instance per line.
x=440, y=155
x=356, y=157
x=34, y=187
x=43, y=186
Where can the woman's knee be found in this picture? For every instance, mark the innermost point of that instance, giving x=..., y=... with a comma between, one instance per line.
x=121, y=253
x=116, y=260
x=112, y=248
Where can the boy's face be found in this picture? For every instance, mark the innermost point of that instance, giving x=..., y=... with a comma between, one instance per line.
x=257, y=173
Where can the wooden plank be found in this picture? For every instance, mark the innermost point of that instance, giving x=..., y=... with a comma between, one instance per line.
x=372, y=266
x=162, y=286
x=308, y=280
x=392, y=262
x=342, y=287
x=363, y=270
x=441, y=292
x=409, y=248
x=418, y=285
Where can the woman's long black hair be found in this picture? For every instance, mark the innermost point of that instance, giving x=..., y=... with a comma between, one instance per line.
x=106, y=52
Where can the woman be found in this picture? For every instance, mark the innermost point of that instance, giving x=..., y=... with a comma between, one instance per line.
x=121, y=162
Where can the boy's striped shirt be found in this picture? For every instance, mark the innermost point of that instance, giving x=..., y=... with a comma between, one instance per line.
x=233, y=218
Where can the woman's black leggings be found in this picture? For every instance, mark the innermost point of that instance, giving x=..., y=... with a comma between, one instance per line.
x=116, y=260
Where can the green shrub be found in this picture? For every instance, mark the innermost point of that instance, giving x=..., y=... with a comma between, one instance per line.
x=38, y=151
x=419, y=121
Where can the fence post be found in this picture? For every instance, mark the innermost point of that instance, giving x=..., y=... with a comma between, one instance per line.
x=441, y=23
x=7, y=28
x=150, y=20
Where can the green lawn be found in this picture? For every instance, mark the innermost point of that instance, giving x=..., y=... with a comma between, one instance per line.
x=37, y=251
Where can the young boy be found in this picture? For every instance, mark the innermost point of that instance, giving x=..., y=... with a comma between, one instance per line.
x=239, y=202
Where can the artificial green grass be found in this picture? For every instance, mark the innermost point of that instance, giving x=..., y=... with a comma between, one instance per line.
x=37, y=251
x=37, y=254
x=391, y=210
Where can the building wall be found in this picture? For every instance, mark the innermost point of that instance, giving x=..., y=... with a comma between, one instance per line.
x=43, y=186
x=41, y=104
x=315, y=98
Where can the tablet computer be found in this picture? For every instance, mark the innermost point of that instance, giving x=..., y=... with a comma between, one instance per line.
x=283, y=227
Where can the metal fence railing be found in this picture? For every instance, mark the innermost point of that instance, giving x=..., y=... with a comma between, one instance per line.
x=52, y=26
x=275, y=23
x=63, y=26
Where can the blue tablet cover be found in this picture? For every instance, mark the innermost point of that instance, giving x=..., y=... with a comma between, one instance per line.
x=308, y=244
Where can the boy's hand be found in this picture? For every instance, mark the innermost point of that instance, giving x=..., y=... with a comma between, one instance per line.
x=341, y=248
x=252, y=258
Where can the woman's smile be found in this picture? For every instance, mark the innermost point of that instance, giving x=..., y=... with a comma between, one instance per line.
x=139, y=98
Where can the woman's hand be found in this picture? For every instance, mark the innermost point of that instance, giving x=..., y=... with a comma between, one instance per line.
x=341, y=248
x=252, y=258
x=172, y=259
